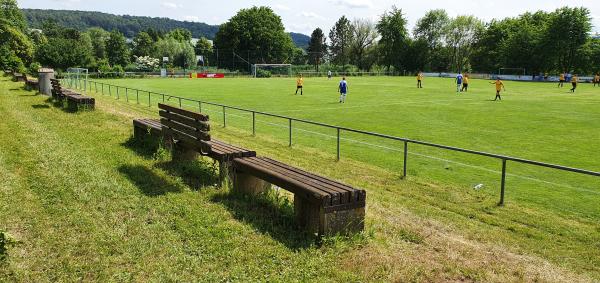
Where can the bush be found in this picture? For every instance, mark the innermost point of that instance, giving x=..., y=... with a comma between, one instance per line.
x=260, y=73
x=118, y=70
x=33, y=68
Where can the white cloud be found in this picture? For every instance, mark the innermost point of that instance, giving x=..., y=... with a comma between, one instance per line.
x=353, y=4
x=311, y=15
x=170, y=5
x=282, y=7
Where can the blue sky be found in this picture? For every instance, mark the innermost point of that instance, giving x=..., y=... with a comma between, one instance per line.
x=305, y=16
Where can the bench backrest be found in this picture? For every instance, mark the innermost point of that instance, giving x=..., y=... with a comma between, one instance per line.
x=185, y=126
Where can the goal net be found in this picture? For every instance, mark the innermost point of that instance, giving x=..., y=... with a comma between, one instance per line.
x=270, y=70
x=77, y=78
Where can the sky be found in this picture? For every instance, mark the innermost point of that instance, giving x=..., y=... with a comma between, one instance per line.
x=304, y=16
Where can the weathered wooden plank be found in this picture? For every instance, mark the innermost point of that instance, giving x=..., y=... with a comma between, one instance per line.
x=201, y=125
x=202, y=146
x=201, y=135
x=307, y=192
x=194, y=115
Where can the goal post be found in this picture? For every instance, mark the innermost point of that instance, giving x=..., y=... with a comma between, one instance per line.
x=260, y=70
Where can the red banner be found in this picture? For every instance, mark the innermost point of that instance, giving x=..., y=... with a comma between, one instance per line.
x=210, y=75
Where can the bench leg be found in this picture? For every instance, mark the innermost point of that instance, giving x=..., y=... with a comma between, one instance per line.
x=225, y=170
x=139, y=133
x=183, y=154
x=248, y=184
x=315, y=219
x=72, y=105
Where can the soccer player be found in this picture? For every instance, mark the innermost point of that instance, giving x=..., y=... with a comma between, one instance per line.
x=343, y=88
x=329, y=75
x=597, y=79
x=465, y=85
x=299, y=84
x=499, y=87
x=574, y=81
x=419, y=80
x=459, y=80
x=561, y=79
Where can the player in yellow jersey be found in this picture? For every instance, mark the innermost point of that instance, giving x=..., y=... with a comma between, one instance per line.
x=299, y=84
x=499, y=87
x=597, y=79
x=574, y=81
x=465, y=86
x=419, y=80
x=561, y=79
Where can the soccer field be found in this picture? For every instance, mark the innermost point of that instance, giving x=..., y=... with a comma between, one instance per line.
x=537, y=121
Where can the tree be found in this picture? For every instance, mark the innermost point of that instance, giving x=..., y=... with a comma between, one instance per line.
x=394, y=38
x=317, y=48
x=568, y=30
x=64, y=48
x=460, y=38
x=364, y=35
x=17, y=47
x=181, y=54
x=9, y=10
x=180, y=34
x=98, y=37
x=143, y=44
x=205, y=48
x=117, y=50
x=340, y=36
x=431, y=29
x=257, y=31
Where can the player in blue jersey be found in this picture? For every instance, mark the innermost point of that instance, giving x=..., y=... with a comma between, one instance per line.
x=459, y=81
x=343, y=88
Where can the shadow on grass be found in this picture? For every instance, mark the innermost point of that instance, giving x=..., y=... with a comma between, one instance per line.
x=196, y=174
x=40, y=106
x=268, y=214
x=147, y=147
x=148, y=182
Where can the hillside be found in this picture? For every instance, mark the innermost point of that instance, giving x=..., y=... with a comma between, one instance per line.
x=128, y=25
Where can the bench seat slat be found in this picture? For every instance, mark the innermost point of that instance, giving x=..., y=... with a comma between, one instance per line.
x=203, y=125
x=309, y=193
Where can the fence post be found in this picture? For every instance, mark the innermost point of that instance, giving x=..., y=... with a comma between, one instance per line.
x=338, y=144
x=109, y=91
x=149, y=102
x=118, y=96
x=405, y=158
x=290, y=122
x=199, y=106
x=179, y=102
x=137, y=96
x=126, y=94
x=253, y=123
x=163, y=96
x=502, y=183
x=224, y=118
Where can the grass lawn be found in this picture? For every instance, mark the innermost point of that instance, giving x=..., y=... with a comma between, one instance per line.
x=80, y=201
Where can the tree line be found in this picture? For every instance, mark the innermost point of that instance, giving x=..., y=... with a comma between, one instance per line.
x=554, y=42
x=551, y=42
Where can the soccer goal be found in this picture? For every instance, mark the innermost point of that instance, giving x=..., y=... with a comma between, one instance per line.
x=269, y=70
x=78, y=78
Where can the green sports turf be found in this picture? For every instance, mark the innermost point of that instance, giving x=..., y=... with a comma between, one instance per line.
x=536, y=121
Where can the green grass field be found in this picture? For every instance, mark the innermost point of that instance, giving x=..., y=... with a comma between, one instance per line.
x=79, y=201
x=537, y=121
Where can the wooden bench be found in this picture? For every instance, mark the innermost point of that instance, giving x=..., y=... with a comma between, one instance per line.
x=74, y=100
x=321, y=205
x=18, y=77
x=186, y=131
x=31, y=83
x=220, y=151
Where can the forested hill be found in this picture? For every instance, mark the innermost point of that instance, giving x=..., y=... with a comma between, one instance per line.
x=128, y=25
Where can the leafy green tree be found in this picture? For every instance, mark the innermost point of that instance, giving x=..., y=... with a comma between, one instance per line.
x=317, y=48
x=117, y=50
x=205, y=48
x=9, y=10
x=257, y=31
x=181, y=54
x=98, y=37
x=143, y=44
x=394, y=38
x=431, y=29
x=460, y=37
x=17, y=47
x=568, y=31
x=65, y=48
x=364, y=35
x=180, y=34
x=340, y=36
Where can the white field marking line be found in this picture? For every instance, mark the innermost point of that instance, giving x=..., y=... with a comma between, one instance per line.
x=430, y=157
x=308, y=109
